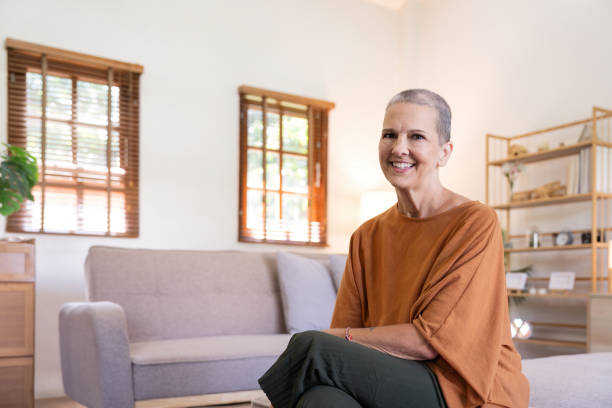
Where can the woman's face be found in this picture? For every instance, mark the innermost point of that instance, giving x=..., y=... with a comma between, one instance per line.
x=409, y=149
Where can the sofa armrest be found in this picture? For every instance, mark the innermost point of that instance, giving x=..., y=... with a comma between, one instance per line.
x=95, y=354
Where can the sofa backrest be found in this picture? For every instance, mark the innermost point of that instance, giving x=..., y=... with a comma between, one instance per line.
x=170, y=294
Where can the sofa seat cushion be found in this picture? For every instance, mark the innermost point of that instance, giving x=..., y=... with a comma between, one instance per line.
x=212, y=348
x=580, y=380
x=204, y=365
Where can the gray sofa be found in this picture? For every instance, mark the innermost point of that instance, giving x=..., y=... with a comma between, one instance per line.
x=572, y=381
x=162, y=325
x=191, y=328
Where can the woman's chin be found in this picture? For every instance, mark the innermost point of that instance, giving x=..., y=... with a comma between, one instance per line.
x=401, y=186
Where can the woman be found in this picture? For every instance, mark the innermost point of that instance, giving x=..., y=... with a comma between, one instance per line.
x=421, y=317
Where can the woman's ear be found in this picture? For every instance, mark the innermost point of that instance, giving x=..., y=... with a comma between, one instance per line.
x=445, y=153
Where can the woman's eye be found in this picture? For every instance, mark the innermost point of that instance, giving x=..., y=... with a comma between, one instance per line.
x=418, y=136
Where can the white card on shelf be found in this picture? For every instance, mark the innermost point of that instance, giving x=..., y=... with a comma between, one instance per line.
x=516, y=280
x=561, y=281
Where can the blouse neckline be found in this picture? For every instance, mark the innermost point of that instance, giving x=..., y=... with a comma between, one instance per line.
x=435, y=216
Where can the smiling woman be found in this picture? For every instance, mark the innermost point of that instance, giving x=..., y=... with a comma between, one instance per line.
x=416, y=142
x=421, y=317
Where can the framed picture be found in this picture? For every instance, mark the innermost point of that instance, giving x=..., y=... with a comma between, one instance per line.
x=516, y=280
x=561, y=281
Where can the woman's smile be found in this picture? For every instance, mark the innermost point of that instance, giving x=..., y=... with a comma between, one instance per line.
x=402, y=167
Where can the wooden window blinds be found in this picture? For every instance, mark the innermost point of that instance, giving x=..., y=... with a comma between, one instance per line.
x=283, y=168
x=79, y=116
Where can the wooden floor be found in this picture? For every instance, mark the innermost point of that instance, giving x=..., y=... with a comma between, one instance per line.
x=65, y=402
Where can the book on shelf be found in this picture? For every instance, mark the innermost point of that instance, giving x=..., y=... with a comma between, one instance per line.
x=599, y=162
x=579, y=171
x=579, y=168
x=573, y=170
x=609, y=168
x=584, y=171
x=602, y=170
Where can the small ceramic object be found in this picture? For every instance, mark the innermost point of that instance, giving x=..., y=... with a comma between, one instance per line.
x=563, y=238
x=534, y=238
x=517, y=150
x=544, y=147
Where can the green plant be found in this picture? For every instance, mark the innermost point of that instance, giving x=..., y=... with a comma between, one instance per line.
x=18, y=174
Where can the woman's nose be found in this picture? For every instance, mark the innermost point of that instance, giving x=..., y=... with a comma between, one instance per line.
x=400, y=147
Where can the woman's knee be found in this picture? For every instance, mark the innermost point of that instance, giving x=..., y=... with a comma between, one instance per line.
x=323, y=396
x=308, y=339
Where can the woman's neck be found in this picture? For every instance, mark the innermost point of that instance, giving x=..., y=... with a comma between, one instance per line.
x=423, y=203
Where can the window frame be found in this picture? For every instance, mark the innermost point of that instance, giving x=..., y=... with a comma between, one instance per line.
x=316, y=113
x=24, y=57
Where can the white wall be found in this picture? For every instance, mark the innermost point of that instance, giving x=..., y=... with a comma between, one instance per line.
x=195, y=55
x=510, y=67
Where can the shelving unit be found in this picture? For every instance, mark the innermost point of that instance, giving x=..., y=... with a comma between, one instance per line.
x=498, y=196
x=17, y=281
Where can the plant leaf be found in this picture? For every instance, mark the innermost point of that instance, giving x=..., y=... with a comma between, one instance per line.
x=10, y=202
x=18, y=175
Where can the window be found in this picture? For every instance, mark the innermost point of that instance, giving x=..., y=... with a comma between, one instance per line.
x=284, y=200
x=79, y=116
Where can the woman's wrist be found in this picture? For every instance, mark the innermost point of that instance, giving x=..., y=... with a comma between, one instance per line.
x=338, y=332
x=347, y=334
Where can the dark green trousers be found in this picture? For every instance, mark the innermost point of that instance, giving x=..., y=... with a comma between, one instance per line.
x=321, y=370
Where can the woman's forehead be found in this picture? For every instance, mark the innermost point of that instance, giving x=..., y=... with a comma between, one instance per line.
x=403, y=116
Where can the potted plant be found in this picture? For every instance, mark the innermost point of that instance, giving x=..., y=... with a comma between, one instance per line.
x=18, y=175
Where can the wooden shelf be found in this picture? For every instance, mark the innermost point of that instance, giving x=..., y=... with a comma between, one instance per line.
x=552, y=233
x=577, y=295
x=559, y=325
x=550, y=342
x=577, y=278
x=549, y=154
x=541, y=156
x=599, y=245
x=551, y=201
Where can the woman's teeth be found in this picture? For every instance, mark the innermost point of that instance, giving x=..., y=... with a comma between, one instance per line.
x=402, y=165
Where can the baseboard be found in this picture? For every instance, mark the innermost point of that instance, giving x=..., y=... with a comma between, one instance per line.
x=201, y=400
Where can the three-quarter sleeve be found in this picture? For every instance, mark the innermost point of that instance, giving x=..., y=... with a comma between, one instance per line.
x=348, y=310
x=462, y=310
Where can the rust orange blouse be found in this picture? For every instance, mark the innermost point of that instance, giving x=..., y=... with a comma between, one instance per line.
x=445, y=275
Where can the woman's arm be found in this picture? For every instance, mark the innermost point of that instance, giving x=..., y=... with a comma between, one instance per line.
x=398, y=340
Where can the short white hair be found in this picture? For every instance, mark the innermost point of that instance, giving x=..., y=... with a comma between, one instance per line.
x=432, y=99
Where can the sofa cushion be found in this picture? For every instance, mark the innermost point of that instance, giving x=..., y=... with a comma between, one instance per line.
x=337, y=263
x=196, y=378
x=580, y=380
x=174, y=368
x=170, y=294
x=307, y=292
x=211, y=348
